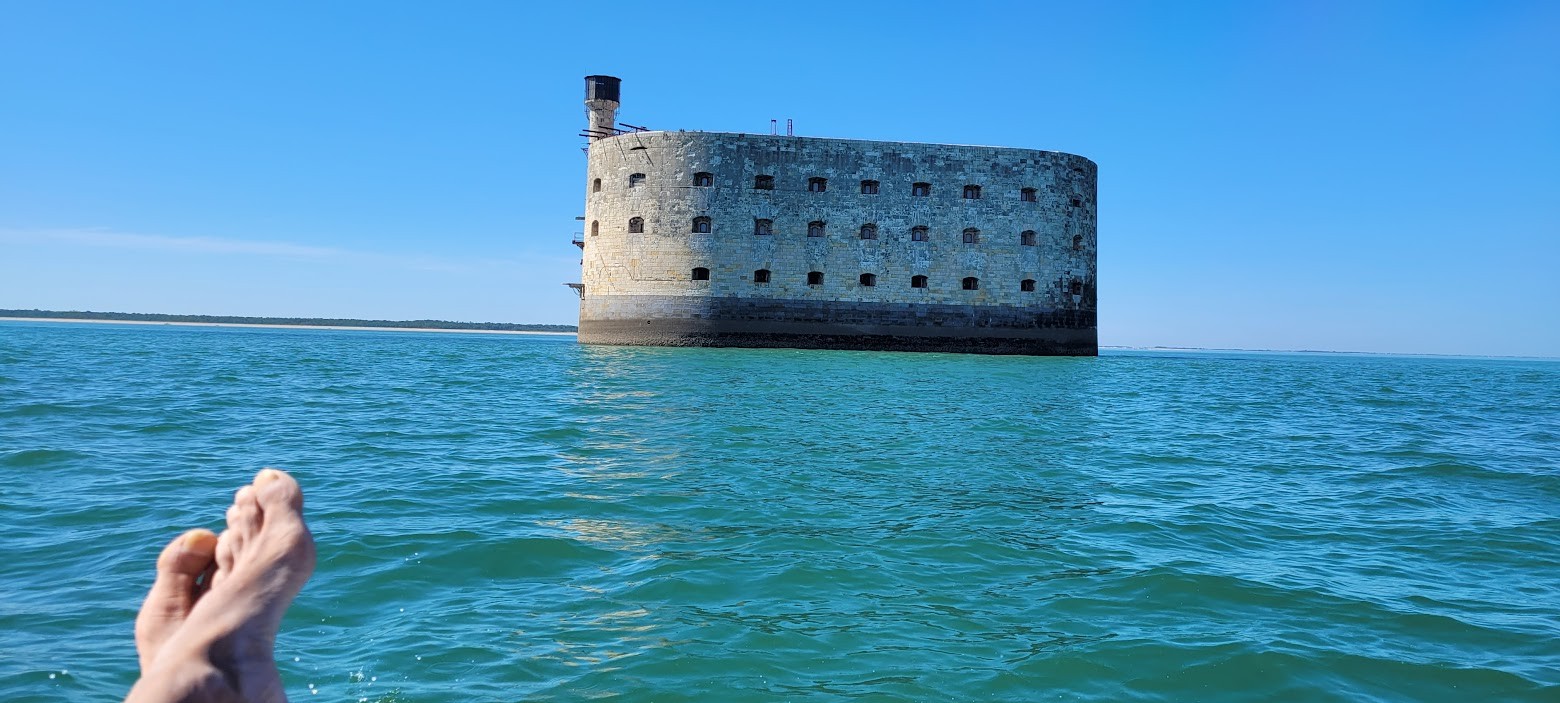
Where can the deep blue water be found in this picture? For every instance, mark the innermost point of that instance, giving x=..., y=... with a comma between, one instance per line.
x=514, y=518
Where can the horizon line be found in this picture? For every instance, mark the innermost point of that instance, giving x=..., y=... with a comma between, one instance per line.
x=305, y=323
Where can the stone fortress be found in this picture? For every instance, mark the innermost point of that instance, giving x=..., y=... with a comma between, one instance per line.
x=748, y=240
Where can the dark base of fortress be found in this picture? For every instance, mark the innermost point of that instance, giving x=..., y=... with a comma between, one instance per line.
x=735, y=322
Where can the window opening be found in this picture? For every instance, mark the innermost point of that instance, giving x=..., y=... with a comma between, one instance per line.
x=763, y=183
x=971, y=283
x=595, y=227
x=761, y=276
x=1077, y=242
x=817, y=185
x=972, y=192
x=763, y=227
x=1077, y=287
x=917, y=281
x=815, y=228
x=1077, y=202
x=635, y=180
x=869, y=231
x=971, y=236
x=1027, y=285
x=814, y=278
x=869, y=187
x=868, y=279
x=1029, y=195
x=595, y=186
x=918, y=234
x=701, y=225
x=1027, y=238
x=703, y=180
x=921, y=190
x=701, y=274
x=636, y=225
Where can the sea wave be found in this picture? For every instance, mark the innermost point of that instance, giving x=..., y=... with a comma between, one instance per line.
x=507, y=517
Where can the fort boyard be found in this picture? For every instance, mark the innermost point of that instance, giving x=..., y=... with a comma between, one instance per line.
x=754, y=240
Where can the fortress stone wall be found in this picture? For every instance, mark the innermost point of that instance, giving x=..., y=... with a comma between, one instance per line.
x=681, y=226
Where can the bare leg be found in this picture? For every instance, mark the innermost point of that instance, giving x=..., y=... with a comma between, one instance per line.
x=208, y=628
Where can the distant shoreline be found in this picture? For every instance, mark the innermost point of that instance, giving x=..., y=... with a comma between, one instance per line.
x=1327, y=352
x=4, y=317
x=292, y=326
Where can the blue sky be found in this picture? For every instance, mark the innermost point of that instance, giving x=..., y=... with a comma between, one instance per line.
x=1366, y=176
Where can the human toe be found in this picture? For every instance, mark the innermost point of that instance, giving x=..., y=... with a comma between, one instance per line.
x=179, y=583
x=277, y=490
x=243, y=517
x=181, y=564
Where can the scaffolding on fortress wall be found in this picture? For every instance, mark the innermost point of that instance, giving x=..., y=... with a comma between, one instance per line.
x=622, y=128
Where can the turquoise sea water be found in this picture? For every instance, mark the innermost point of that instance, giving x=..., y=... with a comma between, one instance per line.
x=505, y=518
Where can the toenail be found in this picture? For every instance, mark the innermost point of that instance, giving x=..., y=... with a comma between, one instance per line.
x=266, y=476
x=201, y=541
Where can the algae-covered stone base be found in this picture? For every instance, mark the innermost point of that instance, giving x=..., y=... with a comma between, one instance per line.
x=803, y=324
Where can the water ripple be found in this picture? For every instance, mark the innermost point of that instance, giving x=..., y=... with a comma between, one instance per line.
x=510, y=517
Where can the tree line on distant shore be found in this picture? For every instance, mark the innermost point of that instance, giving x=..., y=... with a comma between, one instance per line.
x=301, y=321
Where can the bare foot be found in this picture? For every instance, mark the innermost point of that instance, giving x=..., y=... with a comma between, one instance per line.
x=208, y=628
